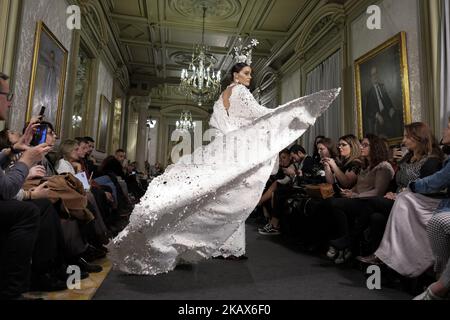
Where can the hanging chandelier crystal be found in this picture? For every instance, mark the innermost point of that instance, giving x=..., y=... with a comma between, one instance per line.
x=200, y=82
x=185, y=122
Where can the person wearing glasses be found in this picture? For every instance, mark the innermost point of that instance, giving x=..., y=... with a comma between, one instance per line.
x=373, y=180
x=344, y=172
x=24, y=232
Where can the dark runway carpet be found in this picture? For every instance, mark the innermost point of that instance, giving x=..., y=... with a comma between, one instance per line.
x=274, y=271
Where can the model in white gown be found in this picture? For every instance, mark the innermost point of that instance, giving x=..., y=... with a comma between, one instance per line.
x=198, y=207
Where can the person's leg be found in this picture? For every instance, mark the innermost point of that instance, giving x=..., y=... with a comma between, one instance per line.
x=48, y=266
x=438, y=230
x=268, y=194
x=106, y=181
x=439, y=234
x=19, y=227
x=49, y=246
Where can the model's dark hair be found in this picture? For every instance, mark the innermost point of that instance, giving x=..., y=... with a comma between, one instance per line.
x=237, y=68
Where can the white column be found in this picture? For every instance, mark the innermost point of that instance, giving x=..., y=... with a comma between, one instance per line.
x=142, y=104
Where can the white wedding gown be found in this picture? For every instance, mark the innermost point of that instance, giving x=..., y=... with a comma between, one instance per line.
x=198, y=207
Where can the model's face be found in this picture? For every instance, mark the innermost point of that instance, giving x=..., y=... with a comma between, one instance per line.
x=409, y=143
x=4, y=103
x=344, y=149
x=244, y=76
x=323, y=151
x=446, y=135
x=365, y=148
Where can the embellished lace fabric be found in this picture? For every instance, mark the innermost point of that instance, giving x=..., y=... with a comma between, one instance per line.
x=198, y=207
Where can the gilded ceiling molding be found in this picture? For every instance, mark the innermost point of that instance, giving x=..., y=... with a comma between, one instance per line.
x=217, y=10
x=93, y=12
x=317, y=24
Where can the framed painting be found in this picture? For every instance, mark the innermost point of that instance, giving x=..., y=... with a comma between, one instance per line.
x=103, y=124
x=48, y=74
x=382, y=90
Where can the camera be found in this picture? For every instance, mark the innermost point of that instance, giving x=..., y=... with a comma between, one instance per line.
x=40, y=136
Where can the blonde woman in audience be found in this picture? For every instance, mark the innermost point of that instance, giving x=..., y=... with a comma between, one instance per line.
x=69, y=153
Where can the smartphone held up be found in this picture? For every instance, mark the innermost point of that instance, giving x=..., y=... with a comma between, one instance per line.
x=40, y=135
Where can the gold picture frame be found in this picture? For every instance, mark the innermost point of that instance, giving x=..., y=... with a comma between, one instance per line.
x=48, y=76
x=103, y=124
x=382, y=90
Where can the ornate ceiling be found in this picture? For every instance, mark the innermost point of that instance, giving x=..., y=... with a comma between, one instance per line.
x=156, y=37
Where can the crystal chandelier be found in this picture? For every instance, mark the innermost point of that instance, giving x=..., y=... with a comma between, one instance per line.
x=200, y=82
x=185, y=122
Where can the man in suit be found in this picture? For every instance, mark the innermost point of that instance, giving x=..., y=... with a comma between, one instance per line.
x=381, y=117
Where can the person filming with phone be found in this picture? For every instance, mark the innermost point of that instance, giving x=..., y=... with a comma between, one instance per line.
x=27, y=232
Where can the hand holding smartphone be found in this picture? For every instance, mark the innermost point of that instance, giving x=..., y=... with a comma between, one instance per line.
x=40, y=135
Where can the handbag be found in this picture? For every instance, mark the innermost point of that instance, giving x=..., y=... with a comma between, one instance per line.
x=70, y=191
x=320, y=191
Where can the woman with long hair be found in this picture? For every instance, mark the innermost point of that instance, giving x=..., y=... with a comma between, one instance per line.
x=396, y=208
x=373, y=180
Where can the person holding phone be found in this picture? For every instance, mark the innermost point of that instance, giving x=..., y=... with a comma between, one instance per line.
x=21, y=221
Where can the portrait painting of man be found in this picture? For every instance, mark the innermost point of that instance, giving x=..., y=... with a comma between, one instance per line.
x=383, y=90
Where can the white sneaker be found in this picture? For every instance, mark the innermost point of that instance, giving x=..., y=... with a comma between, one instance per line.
x=331, y=253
